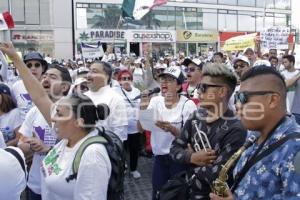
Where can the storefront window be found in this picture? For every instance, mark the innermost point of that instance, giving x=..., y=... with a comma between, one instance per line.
x=246, y=21
x=26, y=41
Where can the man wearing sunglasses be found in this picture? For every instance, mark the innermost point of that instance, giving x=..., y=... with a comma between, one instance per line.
x=193, y=72
x=224, y=132
x=261, y=105
x=37, y=65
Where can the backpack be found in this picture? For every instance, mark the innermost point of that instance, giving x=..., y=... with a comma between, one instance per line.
x=115, y=150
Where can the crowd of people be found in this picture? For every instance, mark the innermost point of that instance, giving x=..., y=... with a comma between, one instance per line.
x=204, y=109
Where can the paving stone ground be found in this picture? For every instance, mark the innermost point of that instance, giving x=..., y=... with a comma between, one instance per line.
x=140, y=189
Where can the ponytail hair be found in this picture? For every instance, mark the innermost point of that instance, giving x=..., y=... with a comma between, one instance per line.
x=83, y=107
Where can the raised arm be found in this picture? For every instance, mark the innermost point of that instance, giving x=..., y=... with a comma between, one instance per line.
x=32, y=85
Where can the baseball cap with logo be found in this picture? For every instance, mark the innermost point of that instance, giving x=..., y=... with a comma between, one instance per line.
x=174, y=72
x=242, y=58
x=196, y=61
x=4, y=89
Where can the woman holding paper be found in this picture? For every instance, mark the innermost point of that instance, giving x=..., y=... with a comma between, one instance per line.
x=170, y=112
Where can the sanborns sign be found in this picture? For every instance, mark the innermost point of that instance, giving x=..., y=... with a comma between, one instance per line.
x=151, y=36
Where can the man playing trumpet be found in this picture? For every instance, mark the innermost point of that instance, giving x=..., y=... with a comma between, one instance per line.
x=211, y=134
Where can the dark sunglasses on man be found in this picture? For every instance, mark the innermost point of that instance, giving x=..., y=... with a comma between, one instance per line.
x=243, y=97
x=36, y=65
x=202, y=87
x=239, y=66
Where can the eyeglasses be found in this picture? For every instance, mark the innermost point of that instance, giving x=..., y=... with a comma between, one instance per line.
x=203, y=87
x=237, y=66
x=167, y=79
x=187, y=70
x=126, y=78
x=36, y=65
x=243, y=97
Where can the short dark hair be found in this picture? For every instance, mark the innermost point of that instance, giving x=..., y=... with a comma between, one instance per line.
x=65, y=75
x=107, y=68
x=265, y=70
x=273, y=57
x=7, y=103
x=219, y=54
x=290, y=58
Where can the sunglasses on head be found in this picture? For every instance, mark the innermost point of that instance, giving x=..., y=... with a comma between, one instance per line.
x=187, y=70
x=243, y=97
x=203, y=87
x=36, y=65
x=126, y=78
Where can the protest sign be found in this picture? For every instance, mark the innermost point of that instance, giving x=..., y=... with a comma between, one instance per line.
x=240, y=42
x=275, y=37
x=92, y=51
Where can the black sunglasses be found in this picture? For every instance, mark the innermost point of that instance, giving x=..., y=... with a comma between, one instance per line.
x=241, y=66
x=36, y=65
x=243, y=97
x=203, y=87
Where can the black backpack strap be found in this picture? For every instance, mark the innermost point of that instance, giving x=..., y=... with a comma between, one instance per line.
x=18, y=157
x=260, y=156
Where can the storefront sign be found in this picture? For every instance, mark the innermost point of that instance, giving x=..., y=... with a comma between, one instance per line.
x=151, y=36
x=275, y=37
x=240, y=42
x=98, y=34
x=197, y=36
x=21, y=36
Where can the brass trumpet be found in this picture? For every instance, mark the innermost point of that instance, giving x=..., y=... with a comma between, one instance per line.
x=200, y=136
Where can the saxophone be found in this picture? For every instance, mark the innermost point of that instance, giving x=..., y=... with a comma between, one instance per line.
x=220, y=186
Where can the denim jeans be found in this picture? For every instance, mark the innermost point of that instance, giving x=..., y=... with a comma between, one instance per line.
x=163, y=169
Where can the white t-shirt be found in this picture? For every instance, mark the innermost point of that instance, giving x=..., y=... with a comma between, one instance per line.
x=160, y=140
x=12, y=176
x=2, y=143
x=138, y=75
x=108, y=58
x=132, y=107
x=93, y=173
x=22, y=98
x=36, y=126
x=117, y=119
x=9, y=122
x=291, y=91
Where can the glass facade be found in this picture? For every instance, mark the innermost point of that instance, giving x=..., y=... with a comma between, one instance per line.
x=106, y=16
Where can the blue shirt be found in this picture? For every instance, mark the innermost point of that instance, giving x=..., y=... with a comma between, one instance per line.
x=274, y=176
